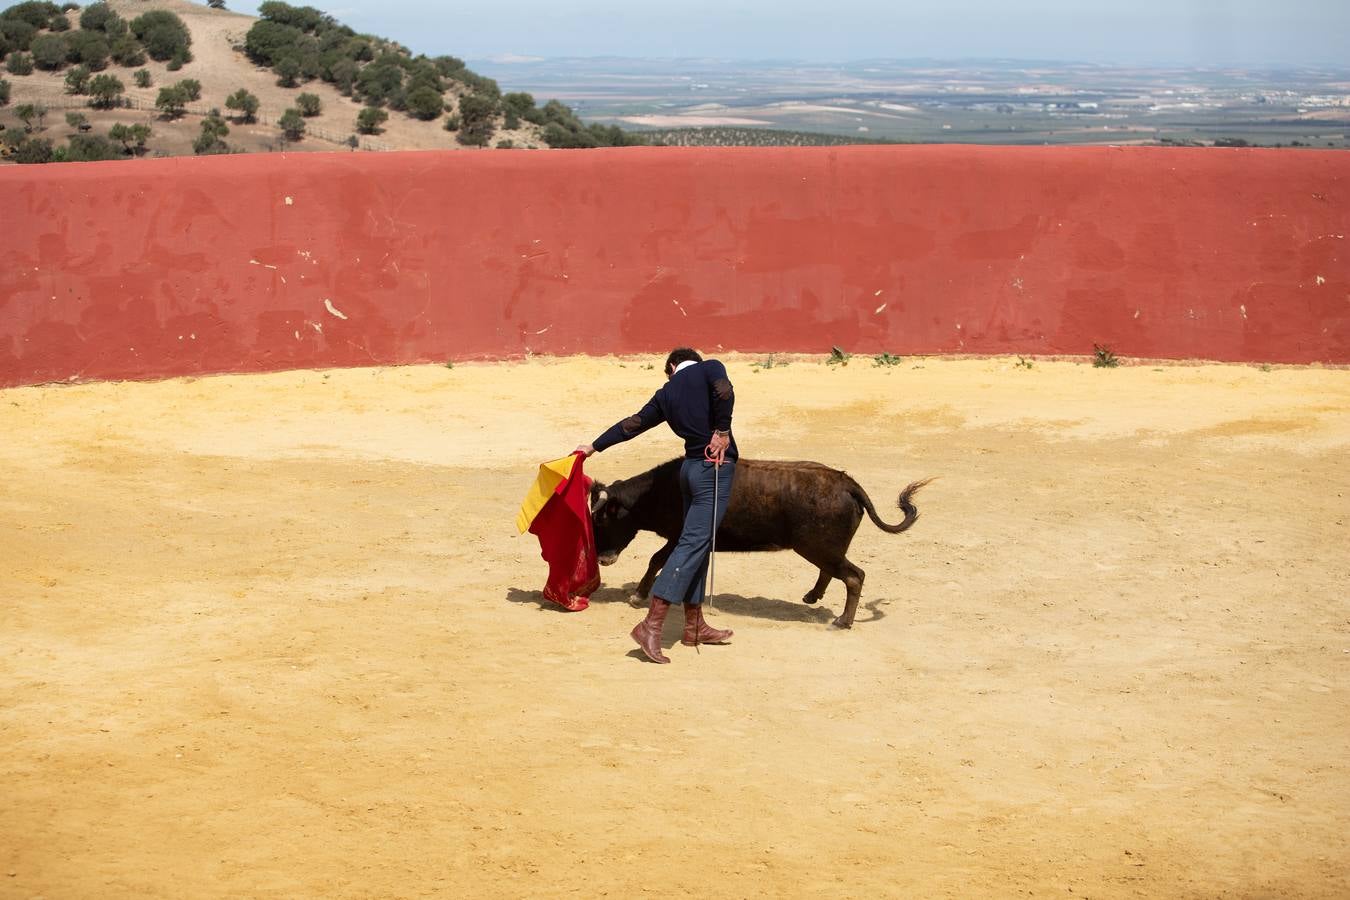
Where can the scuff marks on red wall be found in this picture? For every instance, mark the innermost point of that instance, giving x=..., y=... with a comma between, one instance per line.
x=165, y=267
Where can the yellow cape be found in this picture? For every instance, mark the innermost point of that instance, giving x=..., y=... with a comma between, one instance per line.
x=551, y=474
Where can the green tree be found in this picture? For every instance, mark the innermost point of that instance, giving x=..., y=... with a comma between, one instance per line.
x=309, y=105
x=91, y=148
x=33, y=150
x=343, y=75
x=78, y=121
x=192, y=87
x=520, y=103
x=244, y=103
x=476, y=120
x=17, y=33
x=425, y=103
x=210, y=141
x=292, y=124
x=19, y=63
x=287, y=69
x=369, y=120
x=88, y=48
x=127, y=51
x=105, y=90
x=268, y=41
x=216, y=4
x=311, y=66
x=99, y=17
x=49, y=51
x=133, y=137
x=141, y=77
x=163, y=35
x=359, y=49
x=172, y=101
x=377, y=81
x=305, y=18
x=560, y=137
x=448, y=65
x=37, y=14
x=27, y=112
x=77, y=80
x=4, y=92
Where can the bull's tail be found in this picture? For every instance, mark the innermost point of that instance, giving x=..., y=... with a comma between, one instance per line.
x=905, y=503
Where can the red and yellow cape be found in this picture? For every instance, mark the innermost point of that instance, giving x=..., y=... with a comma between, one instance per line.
x=557, y=511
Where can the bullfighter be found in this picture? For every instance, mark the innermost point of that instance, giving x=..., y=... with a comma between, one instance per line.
x=696, y=401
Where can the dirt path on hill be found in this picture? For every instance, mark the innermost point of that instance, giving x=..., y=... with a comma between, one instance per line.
x=273, y=636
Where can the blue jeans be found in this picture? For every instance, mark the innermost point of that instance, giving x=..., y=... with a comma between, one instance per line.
x=682, y=578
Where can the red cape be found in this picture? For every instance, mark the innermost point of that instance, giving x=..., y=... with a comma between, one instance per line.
x=567, y=542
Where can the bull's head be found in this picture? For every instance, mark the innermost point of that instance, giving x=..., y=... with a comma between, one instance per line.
x=612, y=522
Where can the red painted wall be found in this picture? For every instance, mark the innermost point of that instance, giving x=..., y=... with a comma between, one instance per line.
x=166, y=267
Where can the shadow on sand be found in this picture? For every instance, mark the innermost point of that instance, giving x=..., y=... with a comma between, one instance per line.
x=732, y=604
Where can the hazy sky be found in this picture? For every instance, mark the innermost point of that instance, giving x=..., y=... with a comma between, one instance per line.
x=1191, y=32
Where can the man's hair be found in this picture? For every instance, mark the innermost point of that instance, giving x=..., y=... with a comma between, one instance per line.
x=680, y=355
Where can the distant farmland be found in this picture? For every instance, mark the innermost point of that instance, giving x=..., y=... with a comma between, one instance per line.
x=716, y=102
x=729, y=136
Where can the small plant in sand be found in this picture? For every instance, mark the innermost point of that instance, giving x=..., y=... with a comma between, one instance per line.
x=1103, y=357
x=886, y=359
x=1023, y=363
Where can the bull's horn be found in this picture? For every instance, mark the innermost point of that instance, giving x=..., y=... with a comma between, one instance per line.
x=600, y=499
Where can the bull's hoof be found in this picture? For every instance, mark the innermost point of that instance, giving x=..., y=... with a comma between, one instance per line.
x=840, y=623
x=810, y=598
x=637, y=601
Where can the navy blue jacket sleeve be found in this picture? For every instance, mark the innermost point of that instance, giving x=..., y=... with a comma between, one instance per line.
x=648, y=417
x=723, y=396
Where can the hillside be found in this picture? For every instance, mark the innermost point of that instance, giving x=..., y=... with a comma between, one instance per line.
x=221, y=66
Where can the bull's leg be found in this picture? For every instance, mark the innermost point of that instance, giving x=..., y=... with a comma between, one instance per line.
x=852, y=576
x=639, y=599
x=814, y=595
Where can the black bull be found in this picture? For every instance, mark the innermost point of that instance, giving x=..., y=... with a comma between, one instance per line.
x=801, y=506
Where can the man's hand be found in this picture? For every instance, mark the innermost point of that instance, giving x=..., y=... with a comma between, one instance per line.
x=717, y=447
x=585, y=450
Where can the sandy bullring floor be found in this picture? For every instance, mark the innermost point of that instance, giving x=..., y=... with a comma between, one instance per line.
x=274, y=636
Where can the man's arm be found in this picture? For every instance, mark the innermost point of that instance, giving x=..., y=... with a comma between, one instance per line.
x=626, y=429
x=723, y=396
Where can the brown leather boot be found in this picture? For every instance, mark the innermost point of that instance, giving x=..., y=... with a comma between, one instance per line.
x=647, y=633
x=697, y=631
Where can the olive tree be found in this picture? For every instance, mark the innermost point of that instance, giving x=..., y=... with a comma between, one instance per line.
x=77, y=80
x=309, y=105
x=104, y=91
x=244, y=103
x=172, y=101
x=369, y=120
x=292, y=124
x=210, y=141
x=133, y=137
